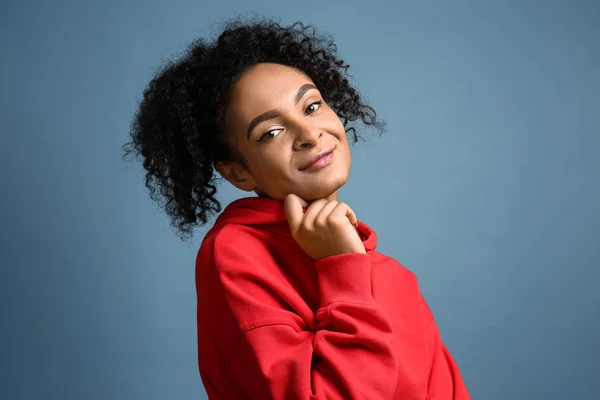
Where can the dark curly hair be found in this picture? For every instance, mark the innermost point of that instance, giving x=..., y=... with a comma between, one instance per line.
x=177, y=130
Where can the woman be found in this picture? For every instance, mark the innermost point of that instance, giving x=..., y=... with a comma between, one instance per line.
x=294, y=302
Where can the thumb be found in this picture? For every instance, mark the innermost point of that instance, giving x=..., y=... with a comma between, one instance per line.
x=293, y=210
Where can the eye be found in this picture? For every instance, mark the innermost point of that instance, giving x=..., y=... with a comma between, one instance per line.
x=270, y=135
x=313, y=107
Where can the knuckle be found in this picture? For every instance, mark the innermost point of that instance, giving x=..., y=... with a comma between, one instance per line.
x=332, y=219
x=320, y=222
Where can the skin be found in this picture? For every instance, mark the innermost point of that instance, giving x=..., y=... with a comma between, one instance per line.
x=276, y=150
x=303, y=129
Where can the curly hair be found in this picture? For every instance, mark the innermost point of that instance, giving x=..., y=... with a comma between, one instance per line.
x=178, y=130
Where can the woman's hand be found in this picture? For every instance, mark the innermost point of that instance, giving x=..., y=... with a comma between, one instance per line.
x=326, y=229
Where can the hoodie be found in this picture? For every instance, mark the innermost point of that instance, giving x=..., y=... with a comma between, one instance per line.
x=275, y=324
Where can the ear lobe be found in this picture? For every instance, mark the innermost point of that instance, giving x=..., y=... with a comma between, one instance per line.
x=236, y=174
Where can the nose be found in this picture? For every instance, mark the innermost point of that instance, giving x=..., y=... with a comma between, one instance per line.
x=308, y=136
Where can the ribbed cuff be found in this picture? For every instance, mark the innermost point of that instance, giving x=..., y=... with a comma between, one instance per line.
x=344, y=277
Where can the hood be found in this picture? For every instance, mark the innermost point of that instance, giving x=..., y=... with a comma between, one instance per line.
x=262, y=210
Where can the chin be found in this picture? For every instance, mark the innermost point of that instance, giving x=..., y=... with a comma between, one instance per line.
x=323, y=190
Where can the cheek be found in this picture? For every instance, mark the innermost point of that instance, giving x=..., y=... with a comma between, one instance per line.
x=345, y=151
x=347, y=155
x=334, y=122
x=335, y=126
x=268, y=164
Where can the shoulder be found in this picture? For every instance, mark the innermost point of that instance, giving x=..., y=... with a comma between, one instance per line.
x=229, y=244
x=237, y=271
x=235, y=255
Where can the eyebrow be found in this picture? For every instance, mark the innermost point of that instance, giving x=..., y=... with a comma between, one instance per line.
x=267, y=115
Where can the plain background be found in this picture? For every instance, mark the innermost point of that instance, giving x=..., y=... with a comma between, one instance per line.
x=486, y=186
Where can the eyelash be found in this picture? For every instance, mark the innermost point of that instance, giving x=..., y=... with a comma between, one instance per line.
x=313, y=103
x=265, y=137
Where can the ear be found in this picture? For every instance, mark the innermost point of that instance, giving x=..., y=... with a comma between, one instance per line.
x=237, y=175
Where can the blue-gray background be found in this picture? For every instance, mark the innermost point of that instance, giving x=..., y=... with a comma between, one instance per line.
x=486, y=186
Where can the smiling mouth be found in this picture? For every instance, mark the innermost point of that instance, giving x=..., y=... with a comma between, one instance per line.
x=321, y=159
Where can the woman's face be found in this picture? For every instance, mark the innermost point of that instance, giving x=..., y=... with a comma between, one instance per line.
x=290, y=139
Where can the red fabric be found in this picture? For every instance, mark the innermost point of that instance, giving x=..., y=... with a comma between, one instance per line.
x=275, y=324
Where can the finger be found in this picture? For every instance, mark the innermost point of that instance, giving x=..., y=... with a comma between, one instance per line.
x=293, y=210
x=312, y=211
x=343, y=210
x=321, y=219
x=303, y=202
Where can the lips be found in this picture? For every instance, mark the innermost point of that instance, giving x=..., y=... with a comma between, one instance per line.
x=317, y=157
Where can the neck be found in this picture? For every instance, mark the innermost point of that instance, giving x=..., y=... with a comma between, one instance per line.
x=332, y=196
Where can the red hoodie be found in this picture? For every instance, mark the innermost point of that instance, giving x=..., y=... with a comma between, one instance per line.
x=275, y=324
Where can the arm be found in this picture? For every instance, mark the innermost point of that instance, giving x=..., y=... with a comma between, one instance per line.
x=444, y=377
x=349, y=354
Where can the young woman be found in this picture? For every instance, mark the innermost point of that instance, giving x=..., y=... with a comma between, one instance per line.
x=294, y=302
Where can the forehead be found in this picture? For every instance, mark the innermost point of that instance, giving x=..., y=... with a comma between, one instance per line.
x=265, y=87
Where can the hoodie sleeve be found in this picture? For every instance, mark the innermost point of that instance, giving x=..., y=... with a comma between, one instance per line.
x=444, y=377
x=348, y=356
